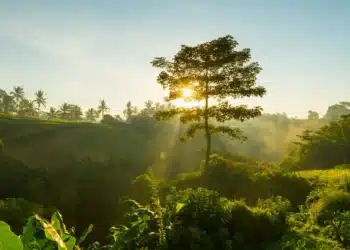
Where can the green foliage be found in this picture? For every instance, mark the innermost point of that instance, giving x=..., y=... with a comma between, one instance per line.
x=40, y=234
x=8, y=240
x=214, y=70
x=7, y=103
x=312, y=115
x=15, y=212
x=249, y=180
x=110, y=120
x=143, y=187
x=333, y=212
x=336, y=111
x=91, y=114
x=207, y=221
x=40, y=99
x=102, y=108
x=324, y=148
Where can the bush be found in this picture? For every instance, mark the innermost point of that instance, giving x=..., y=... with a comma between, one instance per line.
x=287, y=185
x=249, y=181
x=333, y=212
x=210, y=222
x=143, y=187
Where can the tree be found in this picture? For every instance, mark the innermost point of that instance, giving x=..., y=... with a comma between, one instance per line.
x=102, y=108
x=91, y=114
x=7, y=103
x=64, y=111
x=40, y=99
x=324, y=148
x=148, y=110
x=18, y=94
x=129, y=111
x=26, y=108
x=2, y=94
x=52, y=113
x=336, y=111
x=313, y=115
x=214, y=70
x=76, y=112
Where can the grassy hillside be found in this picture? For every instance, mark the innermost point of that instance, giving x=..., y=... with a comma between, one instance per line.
x=40, y=143
x=324, y=177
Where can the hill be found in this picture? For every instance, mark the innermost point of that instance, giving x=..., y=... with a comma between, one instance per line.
x=43, y=143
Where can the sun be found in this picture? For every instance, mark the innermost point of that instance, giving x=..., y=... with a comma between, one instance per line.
x=182, y=102
x=186, y=93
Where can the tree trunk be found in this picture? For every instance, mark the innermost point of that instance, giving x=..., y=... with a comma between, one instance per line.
x=206, y=126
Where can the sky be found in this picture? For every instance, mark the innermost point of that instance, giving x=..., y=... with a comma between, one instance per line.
x=84, y=51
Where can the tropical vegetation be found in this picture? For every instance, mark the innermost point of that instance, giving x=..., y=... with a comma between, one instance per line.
x=89, y=179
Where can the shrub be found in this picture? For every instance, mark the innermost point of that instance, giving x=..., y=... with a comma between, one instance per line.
x=287, y=185
x=142, y=188
x=333, y=212
x=210, y=222
x=247, y=180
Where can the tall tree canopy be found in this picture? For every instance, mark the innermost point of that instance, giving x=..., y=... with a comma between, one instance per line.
x=324, y=148
x=52, y=113
x=91, y=114
x=313, y=115
x=129, y=111
x=336, y=111
x=18, y=94
x=40, y=99
x=213, y=71
x=7, y=102
x=102, y=108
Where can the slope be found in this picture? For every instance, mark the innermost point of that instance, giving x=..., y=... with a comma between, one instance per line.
x=39, y=143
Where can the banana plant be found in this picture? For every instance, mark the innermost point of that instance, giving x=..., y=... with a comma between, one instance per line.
x=40, y=234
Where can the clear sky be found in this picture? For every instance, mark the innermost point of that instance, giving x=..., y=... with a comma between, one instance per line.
x=82, y=51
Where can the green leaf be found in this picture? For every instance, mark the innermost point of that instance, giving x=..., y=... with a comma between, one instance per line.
x=57, y=222
x=69, y=241
x=179, y=206
x=85, y=234
x=52, y=234
x=8, y=240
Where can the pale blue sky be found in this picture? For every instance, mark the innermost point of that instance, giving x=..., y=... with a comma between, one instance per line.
x=81, y=51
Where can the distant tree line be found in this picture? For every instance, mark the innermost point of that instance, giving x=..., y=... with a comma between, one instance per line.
x=16, y=103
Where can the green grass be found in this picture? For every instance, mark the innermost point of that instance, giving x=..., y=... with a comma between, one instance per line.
x=325, y=176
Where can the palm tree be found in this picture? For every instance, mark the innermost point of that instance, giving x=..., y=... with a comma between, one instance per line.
x=7, y=104
x=91, y=114
x=52, y=113
x=76, y=112
x=30, y=110
x=102, y=108
x=40, y=99
x=129, y=111
x=18, y=94
x=24, y=107
x=64, y=110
